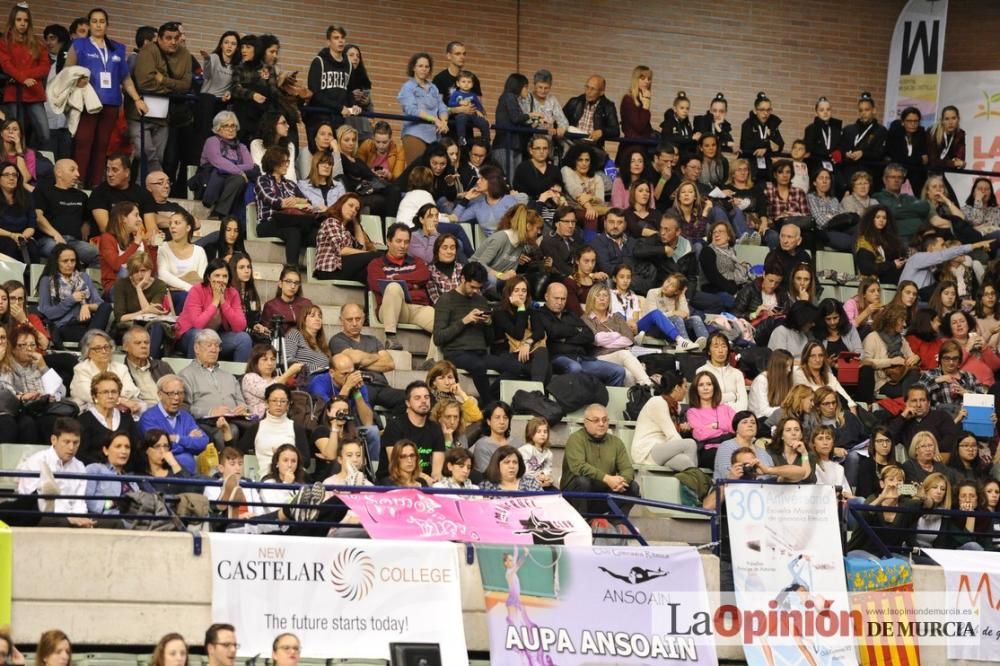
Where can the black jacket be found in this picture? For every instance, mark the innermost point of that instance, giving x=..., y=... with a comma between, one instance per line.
x=898, y=151
x=677, y=132
x=649, y=250
x=605, y=116
x=561, y=252
x=750, y=297
x=788, y=262
x=515, y=325
x=750, y=140
x=872, y=144
x=609, y=255
x=816, y=139
x=329, y=81
x=706, y=125
x=509, y=114
x=566, y=335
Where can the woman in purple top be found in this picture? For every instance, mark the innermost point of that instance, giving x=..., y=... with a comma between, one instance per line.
x=226, y=165
x=108, y=77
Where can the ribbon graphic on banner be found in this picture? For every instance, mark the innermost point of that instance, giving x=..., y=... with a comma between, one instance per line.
x=343, y=598
x=411, y=514
x=554, y=605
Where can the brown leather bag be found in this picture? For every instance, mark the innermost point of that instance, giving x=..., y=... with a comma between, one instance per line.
x=895, y=373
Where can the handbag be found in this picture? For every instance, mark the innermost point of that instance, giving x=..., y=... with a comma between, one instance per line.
x=895, y=373
x=46, y=407
x=848, y=367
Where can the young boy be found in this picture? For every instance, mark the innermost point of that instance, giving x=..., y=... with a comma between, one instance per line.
x=464, y=100
x=800, y=170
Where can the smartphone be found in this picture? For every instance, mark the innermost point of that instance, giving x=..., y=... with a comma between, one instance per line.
x=908, y=489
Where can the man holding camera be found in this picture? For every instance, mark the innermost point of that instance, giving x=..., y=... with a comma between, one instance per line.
x=463, y=330
x=346, y=380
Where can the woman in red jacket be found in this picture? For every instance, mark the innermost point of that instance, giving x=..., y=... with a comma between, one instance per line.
x=214, y=304
x=26, y=61
x=122, y=240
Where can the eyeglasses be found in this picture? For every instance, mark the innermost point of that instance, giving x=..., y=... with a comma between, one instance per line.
x=15, y=299
x=109, y=392
x=883, y=440
x=290, y=648
x=173, y=394
x=293, y=283
x=162, y=447
x=101, y=348
x=231, y=126
x=9, y=174
x=27, y=345
x=603, y=419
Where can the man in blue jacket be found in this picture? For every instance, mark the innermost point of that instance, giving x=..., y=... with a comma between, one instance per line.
x=186, y=438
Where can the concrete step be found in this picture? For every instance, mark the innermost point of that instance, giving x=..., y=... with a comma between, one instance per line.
x=194, y=207
x=319, y=293
x=265, y=251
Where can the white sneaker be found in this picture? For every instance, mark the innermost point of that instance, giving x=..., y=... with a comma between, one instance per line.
x=639, y=337
x=701, y=342
x=47, y=486
x=684, y=345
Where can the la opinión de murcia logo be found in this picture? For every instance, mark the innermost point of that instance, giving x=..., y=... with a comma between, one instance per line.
x=352, y=574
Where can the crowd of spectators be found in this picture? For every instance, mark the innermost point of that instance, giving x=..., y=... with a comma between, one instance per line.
x=539, y=250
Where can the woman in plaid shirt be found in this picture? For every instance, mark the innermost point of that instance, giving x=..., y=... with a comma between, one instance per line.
x=445, y=270
x=343, y=249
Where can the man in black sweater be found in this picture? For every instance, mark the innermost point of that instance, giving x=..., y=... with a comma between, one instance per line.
x=571, y=342
x=789, y=252
x=561, y=245
x=329, y=76
x=463, y=331
x=918, y=416
x=661, y=252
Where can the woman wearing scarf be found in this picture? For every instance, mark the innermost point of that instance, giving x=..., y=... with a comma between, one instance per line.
x=68, y=299
x=227, y=163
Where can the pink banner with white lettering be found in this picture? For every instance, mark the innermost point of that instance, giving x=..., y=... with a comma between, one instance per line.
x=411, y=514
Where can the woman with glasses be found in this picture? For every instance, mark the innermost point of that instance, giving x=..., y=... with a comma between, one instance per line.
x=282, y=209
x=863, y=472
x=288, y=302
x=17, y=217
x=537, y=177
x=828, y=410
x=96, y=350
x=404, y=467
x=265, y=436
x=102, y=421
x=948, y=383
x=228, y=165
x=12, y=419
x=967, y=463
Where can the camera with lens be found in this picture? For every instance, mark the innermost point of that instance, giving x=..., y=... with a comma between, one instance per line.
x=343, y=416
x=276, y=321
x=749, y=471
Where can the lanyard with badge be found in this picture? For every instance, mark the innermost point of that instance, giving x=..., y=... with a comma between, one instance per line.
x=859, y=138
x=827, y=140
x=947, y=145
x=764, y=132
x=103, y=54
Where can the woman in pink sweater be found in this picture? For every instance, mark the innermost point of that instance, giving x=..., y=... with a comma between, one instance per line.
x=214, y=304
x=710, y=419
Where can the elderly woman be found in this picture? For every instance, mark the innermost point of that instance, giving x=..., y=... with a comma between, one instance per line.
x=103, y=420
x=420, y=97
x=226, y=166
x=96, y=349
x=215, y=305
x=67, y=297
x=282, y=209
x=142, y=298
x=925, y=458
x=28, y=367
x=947, y=383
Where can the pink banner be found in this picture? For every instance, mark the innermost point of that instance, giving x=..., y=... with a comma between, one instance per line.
x=410, y=514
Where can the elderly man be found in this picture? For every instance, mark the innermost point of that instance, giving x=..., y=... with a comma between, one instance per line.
x=118, y=187
x=661, y=251
x=61, y=211
x=213, y=394
x=596, y=462
x=789, y=252
x=163, y=66
x=144, y=370
x=187, y=439
x=571, y=342
x=346, y=380
x=909, y=212
x=400, y=285
x=594, y=113
x=369, y=356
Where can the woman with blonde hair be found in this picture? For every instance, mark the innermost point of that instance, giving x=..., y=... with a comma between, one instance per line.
x=924, y=458
x=829, y=411
x=863, y=306
x=319, y=185
x=449, y=414
x=797, y=404
x=516, y=236
x=636, y=105
x=141, y=298
x=613, y=338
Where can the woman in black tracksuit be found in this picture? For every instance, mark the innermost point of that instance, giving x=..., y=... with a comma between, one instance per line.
x=862, y=145
x=822, y=138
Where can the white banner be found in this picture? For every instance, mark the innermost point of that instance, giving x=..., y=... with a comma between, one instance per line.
x=915, y=59
x=977, y=96
x=343, y=598
x=970, y=577
x=788, y=565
